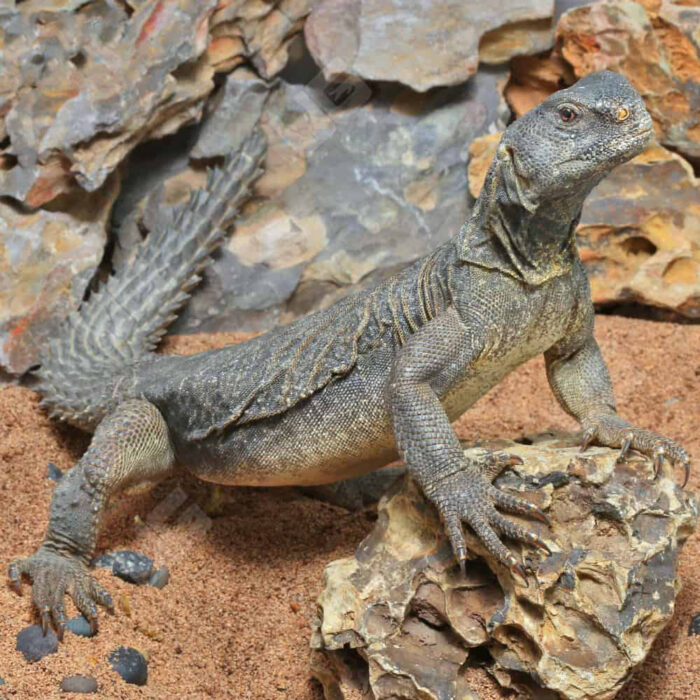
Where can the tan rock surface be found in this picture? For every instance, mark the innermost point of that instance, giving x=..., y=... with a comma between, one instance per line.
x=47, y=259
x=401, y=615
x=656, y=45
x=639, y=235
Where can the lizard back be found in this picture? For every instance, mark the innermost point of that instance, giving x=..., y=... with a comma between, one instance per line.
x=209, y=392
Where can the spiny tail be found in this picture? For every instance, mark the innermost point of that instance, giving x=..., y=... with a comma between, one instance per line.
x=125, y=319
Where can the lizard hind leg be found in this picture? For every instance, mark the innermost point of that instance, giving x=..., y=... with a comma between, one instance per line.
x=130, y=446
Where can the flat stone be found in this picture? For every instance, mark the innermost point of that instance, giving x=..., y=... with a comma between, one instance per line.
x=423, y=45
x=160, y=578
x=79, y=684
x=400, y=616
x=638, y=237
x=130, y=664
x=34, y=645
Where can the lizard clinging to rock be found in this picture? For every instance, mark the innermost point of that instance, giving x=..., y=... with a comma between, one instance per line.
x=379, y=374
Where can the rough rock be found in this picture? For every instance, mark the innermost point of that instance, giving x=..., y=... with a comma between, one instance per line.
x=656, y=45
x=260, y=32
x=82, y=83
x=349, y=194
x=47, y=259
x=423, y=45
x=95, y=82
x=233, y=113
x=533, y=79
x=639, y=235
x=399, y=617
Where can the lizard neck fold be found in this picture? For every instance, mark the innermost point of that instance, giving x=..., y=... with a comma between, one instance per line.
x=517, y=232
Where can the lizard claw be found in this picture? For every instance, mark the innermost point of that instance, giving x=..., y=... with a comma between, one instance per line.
x=613, y=431
x=461, y=555
x=588, y=437
x=517, y=568
x=467, y=496
x=14, y=573
x=53, y=574
x=686, y=467
x=625, y=447
x=659, y=453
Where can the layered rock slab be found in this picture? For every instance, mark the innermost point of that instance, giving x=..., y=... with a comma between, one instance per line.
x=639, y=234
x=423, y=45
x=399, y=620
x=358, y=182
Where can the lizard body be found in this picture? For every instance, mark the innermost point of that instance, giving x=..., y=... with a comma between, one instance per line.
x=378, y=375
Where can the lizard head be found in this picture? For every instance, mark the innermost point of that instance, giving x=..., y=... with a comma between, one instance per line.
x=576, y=136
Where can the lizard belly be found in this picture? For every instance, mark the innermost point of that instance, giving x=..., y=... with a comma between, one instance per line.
x=320, y=441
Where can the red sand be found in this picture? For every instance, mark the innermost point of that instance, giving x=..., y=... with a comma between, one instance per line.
x=235, y=619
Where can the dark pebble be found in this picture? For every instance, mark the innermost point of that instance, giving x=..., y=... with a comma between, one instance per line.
x=160, y=578
x=53, y=472
x=127, y=565
x=80, y=626
x=104, y=561
x=2, y=681
x=79, y=684
x=694, y=625
x=130, y=665
x=34, y=645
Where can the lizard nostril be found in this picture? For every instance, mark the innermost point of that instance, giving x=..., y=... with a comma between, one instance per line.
x=622, y=114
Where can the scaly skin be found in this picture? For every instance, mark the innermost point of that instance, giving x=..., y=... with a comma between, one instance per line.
x=378, y=375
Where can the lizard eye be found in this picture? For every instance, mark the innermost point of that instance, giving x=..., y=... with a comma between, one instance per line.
x=567, y=114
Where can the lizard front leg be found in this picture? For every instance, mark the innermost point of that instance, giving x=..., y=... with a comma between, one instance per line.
x=579, y=379
x=432, y=359
x=130, y=446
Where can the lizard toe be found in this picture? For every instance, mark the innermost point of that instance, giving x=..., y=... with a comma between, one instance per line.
x=54, y=574
x=518, y=506
x=517, y=532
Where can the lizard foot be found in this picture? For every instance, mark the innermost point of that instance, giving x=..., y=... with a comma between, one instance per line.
x=53, y=575
x=466, y=496
x=613, y=431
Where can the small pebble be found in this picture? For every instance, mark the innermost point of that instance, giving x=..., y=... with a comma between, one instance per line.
x=79, y=684
x=694, y=625
x=104, y=561
x=127, y=565
x=130, y=665
x=160, y=578
x=53, y=472
x=34, y=645
x=80, y=626
x=2, y=681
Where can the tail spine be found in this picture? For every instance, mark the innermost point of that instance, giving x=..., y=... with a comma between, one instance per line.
x=124, y=320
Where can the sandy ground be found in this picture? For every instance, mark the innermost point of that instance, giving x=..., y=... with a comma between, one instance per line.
x=235, y=619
